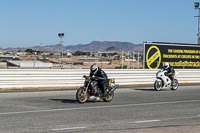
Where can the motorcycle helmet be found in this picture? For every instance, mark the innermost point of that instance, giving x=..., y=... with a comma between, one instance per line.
x=166, y=65
x=94, y=69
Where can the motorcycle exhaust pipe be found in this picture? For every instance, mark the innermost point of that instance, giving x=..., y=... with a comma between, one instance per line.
x=114, y=88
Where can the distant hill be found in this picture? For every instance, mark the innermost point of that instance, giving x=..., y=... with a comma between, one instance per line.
x=93, y=46
x=49, y=48
x=113, y=48
x=101, y=46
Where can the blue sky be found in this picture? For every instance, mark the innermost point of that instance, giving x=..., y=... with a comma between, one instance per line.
x=27, y=23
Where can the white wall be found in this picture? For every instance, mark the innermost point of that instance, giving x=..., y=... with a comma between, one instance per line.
x=57, y=78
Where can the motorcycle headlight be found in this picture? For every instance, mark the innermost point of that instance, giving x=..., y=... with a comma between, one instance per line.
x=111, y=81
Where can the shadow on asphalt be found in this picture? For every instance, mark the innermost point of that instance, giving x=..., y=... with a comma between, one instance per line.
x=65, y=100
x=72, y=101
x=151, y=90
x=144, y=89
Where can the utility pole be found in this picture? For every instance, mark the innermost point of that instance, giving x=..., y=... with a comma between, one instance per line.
x=122, y=60
x=133, y=59
x=138, y=59
x=128, y=60
x=61, y=35
x=196, y=6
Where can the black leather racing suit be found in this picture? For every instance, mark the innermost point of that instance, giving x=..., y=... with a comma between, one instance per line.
x=102, y=79
x=170, y=72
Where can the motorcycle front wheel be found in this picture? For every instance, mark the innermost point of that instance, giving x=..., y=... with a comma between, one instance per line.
x=80, y=95
x=109, y=97
x=158, y=85
x=174, y=85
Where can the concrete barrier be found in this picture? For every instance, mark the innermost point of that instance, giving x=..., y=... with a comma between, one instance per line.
x=64, y=78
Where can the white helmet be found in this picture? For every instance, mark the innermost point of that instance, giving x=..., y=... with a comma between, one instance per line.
x=166, y=65
x=94, y=68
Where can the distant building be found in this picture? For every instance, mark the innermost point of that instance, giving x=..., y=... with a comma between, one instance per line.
x=57, y=54
x=46, y=53
x=69, y=54
x=7, y=57
x=28, y=64
x=21, y=53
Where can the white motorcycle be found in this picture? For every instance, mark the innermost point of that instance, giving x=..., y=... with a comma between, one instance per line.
x=164, y=81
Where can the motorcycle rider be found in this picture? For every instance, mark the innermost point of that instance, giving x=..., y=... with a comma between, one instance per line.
x=170, y=71
x=100, y=76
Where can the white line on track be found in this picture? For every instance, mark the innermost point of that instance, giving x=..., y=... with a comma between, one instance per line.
x=71, y=128
x=179, y=118
x=166, y=119
x=146, y=121
x=97, y=107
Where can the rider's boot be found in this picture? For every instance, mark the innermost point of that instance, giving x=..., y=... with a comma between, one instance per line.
x=105, y=93
x=172, y=80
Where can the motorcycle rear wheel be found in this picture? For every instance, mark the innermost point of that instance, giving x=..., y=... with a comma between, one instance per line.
x=158, y=85
x=80, y=95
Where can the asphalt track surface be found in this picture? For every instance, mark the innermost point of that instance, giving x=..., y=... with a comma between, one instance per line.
x=133, y=110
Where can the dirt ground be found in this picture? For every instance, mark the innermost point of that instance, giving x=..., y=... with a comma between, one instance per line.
x=106, y=63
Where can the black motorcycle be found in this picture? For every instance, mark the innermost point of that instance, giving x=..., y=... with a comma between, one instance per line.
x=91, y=90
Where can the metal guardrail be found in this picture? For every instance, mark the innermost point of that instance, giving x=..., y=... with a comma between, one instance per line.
x=64, y=78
